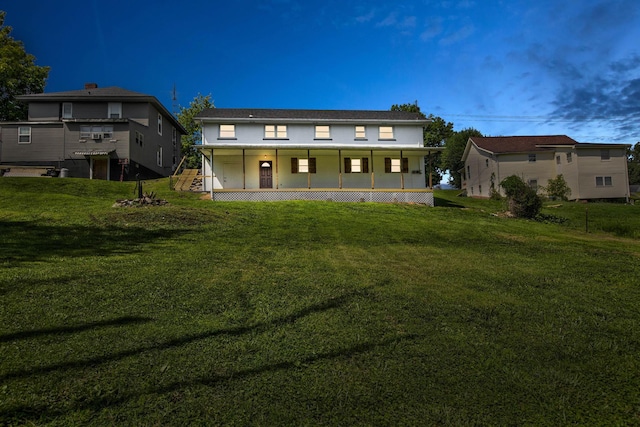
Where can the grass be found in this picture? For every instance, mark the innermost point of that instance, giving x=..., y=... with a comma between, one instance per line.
x=305, y=313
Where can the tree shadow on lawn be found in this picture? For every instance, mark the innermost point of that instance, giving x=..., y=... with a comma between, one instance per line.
x=27, y=241
x=439, y=202
x=43, y=412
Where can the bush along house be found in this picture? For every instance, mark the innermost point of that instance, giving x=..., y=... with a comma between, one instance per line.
x=339, y=155
x=98, y=133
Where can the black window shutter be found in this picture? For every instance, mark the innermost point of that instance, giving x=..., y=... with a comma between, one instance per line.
x=405, y=165
x=387, y=165
x=312, y=165
x=365, y=165
x=347, y=165
x=294, y=165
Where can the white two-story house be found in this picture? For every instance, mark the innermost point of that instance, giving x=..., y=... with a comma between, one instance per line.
x=340, y=155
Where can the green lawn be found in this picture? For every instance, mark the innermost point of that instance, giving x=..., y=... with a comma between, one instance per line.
x=313, y=313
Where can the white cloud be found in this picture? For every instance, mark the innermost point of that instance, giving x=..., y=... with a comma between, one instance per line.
x=463, y=33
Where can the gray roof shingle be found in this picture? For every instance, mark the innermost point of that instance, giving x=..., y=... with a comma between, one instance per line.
x=309, y=115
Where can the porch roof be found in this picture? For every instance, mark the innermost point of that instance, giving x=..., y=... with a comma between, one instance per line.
x=422, y=150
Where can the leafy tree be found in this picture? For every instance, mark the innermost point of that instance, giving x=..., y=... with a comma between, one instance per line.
x=523, y=202
x=193, y=137
x=18, y=75
x=433, y=135
x=633, y=162
x=452, y=155
x=557, y=188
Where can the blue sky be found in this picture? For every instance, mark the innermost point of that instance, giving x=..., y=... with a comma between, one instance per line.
x=503, y=67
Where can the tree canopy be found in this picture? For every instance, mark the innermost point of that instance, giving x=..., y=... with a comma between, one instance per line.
x=633, y=159
x=452, y=155
x=18, y=75
x=186, y=116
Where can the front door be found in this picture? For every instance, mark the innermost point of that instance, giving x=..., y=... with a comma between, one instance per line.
x=266, y=174
x=100, y=168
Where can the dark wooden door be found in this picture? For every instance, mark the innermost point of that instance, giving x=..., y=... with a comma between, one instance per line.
x=266, y=174
x=100, y=167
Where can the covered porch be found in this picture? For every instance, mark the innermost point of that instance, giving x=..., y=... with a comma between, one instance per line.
x=349, y=174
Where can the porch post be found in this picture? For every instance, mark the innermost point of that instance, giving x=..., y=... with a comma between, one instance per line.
x=277, y=184
x=372, y=177
x=430, y=171
x=401, y=172
x=244, y=172
x=308, y=172
x=339, y=168
x=211, y=187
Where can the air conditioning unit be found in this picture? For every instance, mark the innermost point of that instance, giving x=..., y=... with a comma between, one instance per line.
x=96, y=136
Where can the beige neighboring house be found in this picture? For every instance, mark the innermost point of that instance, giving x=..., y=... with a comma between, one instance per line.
x=592, y=171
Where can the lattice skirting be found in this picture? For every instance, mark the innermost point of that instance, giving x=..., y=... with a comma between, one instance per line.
x=328, y=195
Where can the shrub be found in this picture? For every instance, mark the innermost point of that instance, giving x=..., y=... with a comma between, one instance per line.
x=557, y=188
x=523, y=202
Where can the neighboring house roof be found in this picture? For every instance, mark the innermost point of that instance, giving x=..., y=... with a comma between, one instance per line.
x=521, y=144
x=102, y=94
x=352, y=116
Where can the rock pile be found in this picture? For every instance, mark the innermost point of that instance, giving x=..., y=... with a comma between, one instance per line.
x=146, y=200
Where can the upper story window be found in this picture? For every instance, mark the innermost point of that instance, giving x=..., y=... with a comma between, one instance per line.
x=361, y=132
x=557, y=160
x=96, y=133
x=115, y=110
x=323, y=132
x=468, y=172
x=139, y=138
x=67, y=110
x=486, y=163
x=604, y=154
x=532, y=157
x=603, y=181
x=24, y=135
x=159, y=156
x=569, y=158
x=227, y=131
x=174, y=137
x=385, y=132
x=275, y=131
x=159, y=124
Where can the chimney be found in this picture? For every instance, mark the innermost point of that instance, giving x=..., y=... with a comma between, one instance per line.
x=88, y=86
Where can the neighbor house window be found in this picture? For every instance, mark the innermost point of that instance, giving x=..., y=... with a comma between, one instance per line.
x=604, y=154
x=569, y=158
x=396, y=165
x=532, y=157
x=96, y=132
x=303, y=165
x=359, y=165
x=275, y=131
x=174, y=137
x=24, y=135
x=385, y=132
x=159, y=124
x=557, y=160
x=115, y=110
x=159, y=156
x=361, y=132
x=469, y=172
x=107, y=132
x=486, y=163
x=139, y=138
x=85, y=132
x=323, y=132
x=533, y=184
x=480, y=190
x=603, y=181
x=227, y=131
x=67, y=110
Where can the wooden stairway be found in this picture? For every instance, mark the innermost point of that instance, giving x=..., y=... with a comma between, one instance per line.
x=185, y=180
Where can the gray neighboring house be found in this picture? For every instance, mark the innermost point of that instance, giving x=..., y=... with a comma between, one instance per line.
x=98, y=133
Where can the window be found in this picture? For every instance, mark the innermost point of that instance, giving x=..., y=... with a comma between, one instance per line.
x=303, y=165
x=569, y=158
x=385, y=132
x=532, y=157
x=159, y=156
x=159, y=124
x=115, y=110
x=486, y=163
x=360, y=165
x=361, y=132
x=323, y=132
x=603, y=181
x=24, y=135
x=107, y=132
x=533, y=184
x=604, y=154
x=480, y=190
x=85, y=132
x=557, y=160
x=227, y=131
x=396, y=165
x=174, y=138
x=275, y=131
x=67, y=110
x=139, y=138
x=96, y=132
x=468, y=172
